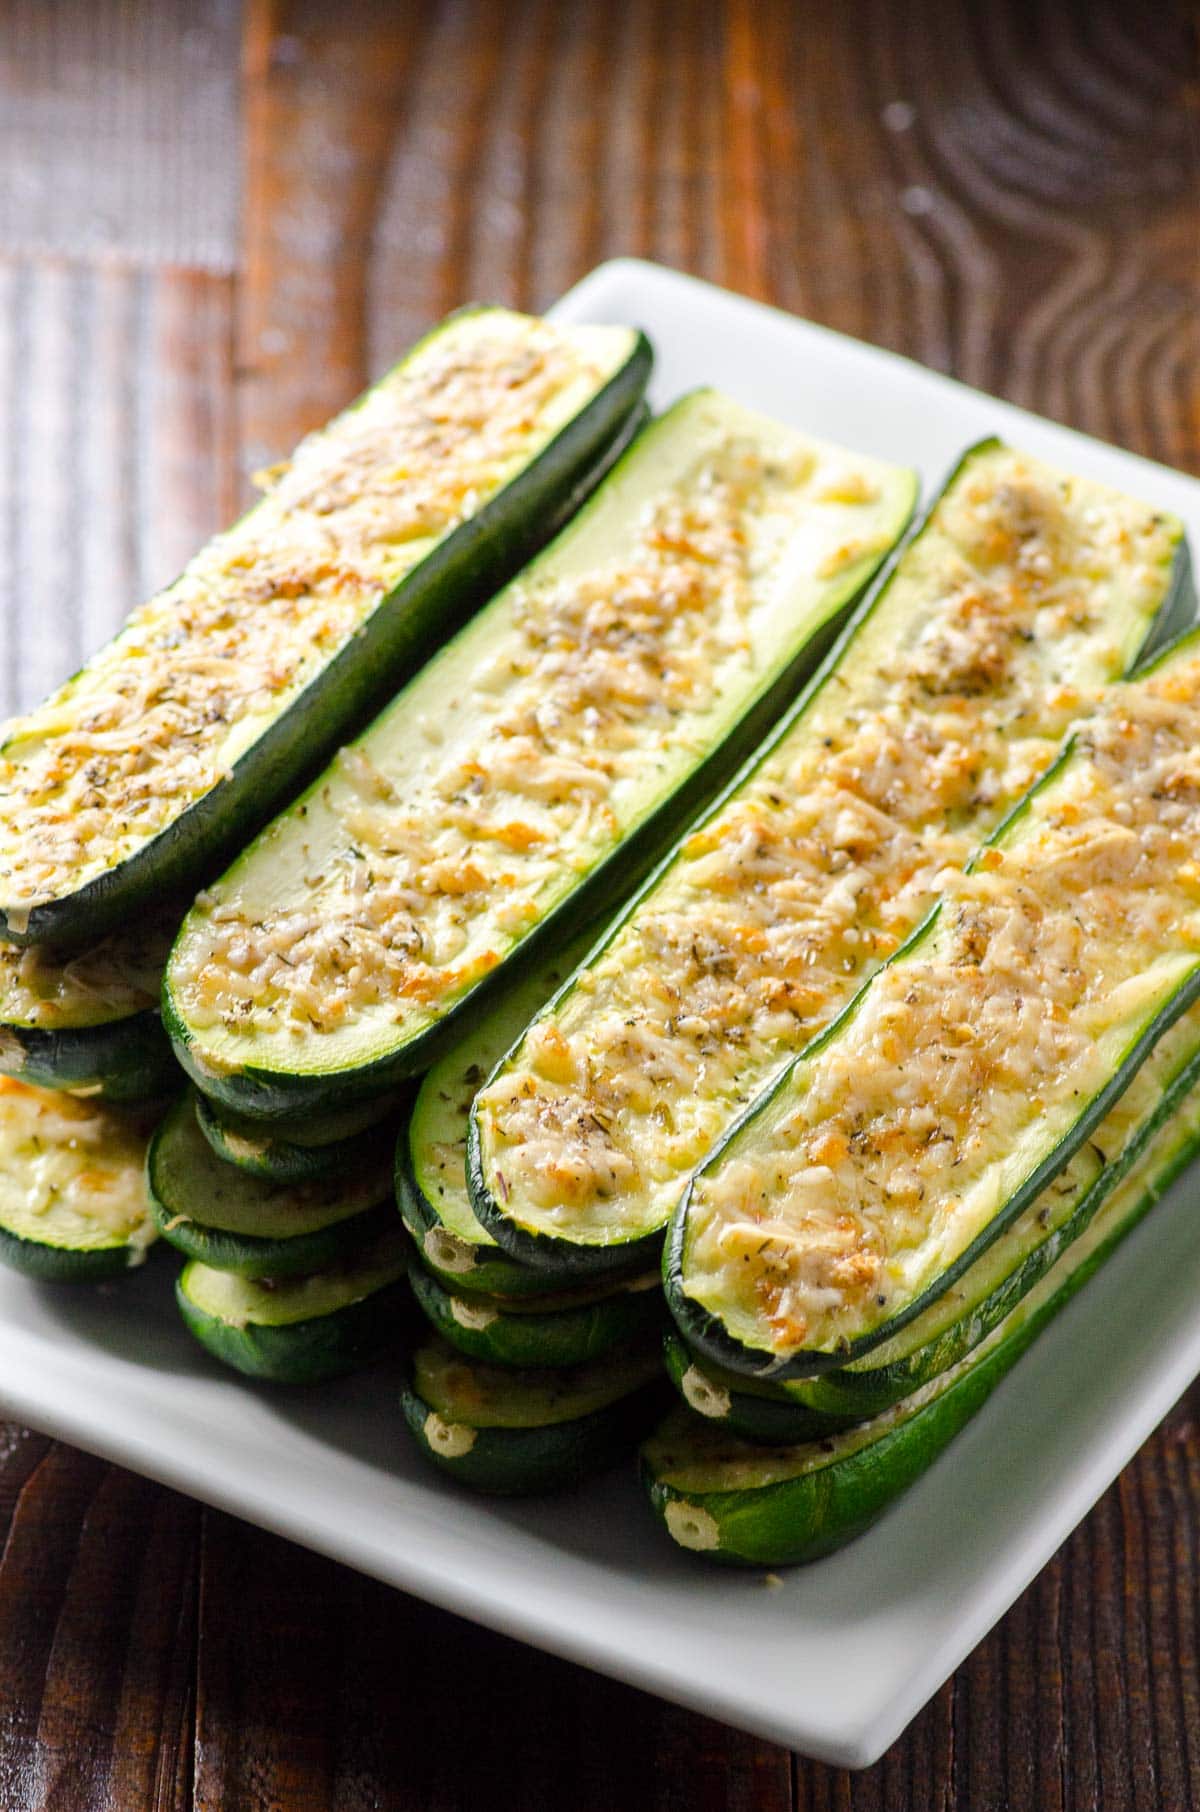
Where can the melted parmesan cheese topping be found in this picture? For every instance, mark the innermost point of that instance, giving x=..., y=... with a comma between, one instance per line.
x=49, y=990
x=1026, y=593
x=966, y=1062
x=546, y=734
x=71, y=1171
x=160, y=716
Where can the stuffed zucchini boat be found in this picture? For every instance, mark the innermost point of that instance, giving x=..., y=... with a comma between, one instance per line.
x=254, y=1226
x=73, y=1205
x=959, y=1319
x=513, y=1433
x=732, y=1500
x=533, y=767
x=88, y=1020
x=887, y=1159
x=1022, y=595
x=161, y=756
x=302, y=1330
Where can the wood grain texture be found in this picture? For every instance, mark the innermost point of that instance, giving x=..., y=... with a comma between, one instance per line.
x=1009, y=192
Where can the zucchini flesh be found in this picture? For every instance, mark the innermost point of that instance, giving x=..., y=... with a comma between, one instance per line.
x=88, y=1020
x=301, y=1330
x=733, y=1500
x=528, y=1333
x=959, y=1083
x=513, y=1433
x=233, y=1221
x=1022, y=594
x=72, y=1201
x=431, y=1176
x=535, y=764
x=182, y=735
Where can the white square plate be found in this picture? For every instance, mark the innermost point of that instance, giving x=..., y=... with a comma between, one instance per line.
x=840, y=1656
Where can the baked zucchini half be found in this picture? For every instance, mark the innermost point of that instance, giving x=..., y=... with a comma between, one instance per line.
x=88, y=1020
x=431, y=1167
x=541, y=1331
x=1021, y=595
x=513, y=1433
x=733, y=1500
x=261, y=1152
x=73, y=1203
x=232, y=1221
x=162, y=755
x=302, y=1330
x=955, y=1322
x=883, y=1163
x=534, y=766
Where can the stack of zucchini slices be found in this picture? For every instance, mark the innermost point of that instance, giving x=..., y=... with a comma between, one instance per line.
x=131, y=784
x=421, y=887
x=841, y=1057
x=527, y=1379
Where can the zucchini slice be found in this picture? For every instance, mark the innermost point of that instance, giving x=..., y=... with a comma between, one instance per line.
x=302, y=1330
x=260, y=1152
x=733, y=1500
x=161, y=756
x=88, y=1020
x=431, y=1173
x=1020, y=596
x=544, y=1331
x=513, y=1433
x=232, y=1221
x=72, y=1198
x=884, y=1162
x=955, y=1322
x=533, y=767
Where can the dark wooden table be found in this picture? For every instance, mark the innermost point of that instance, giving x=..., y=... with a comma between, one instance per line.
x=1011, y=193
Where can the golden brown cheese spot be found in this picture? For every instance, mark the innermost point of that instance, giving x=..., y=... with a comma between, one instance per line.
x=832, y=1213
x=820, y=866
x=435, y=879
x=159, y=717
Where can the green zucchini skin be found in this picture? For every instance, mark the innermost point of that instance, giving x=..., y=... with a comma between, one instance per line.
x=194, y=1197
x=570, y=1335
x=303, y=1352
x=432, y=599
x=258, y=1091
x=67, y=1264
x=247, y=1256
x=277, y=1160
x=798, y=1519
x=756, y=1414
x=524, y=1462
x=126, y=1060
x=566, y=1256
